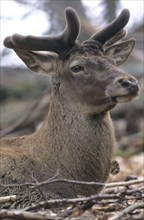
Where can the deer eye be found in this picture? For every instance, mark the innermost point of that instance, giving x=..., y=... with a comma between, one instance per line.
x=76, y=68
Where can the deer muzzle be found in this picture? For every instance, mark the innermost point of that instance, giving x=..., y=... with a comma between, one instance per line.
x=123, y=89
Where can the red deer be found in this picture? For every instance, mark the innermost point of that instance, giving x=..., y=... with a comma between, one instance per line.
x=77, y=138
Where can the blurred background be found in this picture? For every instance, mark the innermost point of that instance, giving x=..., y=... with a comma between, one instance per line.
x=25, y=96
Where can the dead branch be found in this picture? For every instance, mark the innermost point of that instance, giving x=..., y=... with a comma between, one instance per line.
x=115, y=197
x=11, y=198
x=114, y=201
x=24, y=215
x=60, y=180
x=127, y=210
x=127, y=183
x=24, y=117
x=61, y=202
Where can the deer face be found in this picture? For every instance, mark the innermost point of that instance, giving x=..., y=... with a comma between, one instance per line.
x=95, y=79
x=89, y=70
x=98, y=81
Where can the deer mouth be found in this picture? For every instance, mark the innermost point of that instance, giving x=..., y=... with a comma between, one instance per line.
x=123, y=98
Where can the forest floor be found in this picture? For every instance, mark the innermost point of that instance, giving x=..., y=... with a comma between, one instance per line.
x=122, y=198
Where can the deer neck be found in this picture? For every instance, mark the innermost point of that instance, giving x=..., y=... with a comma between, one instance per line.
x=69, y=124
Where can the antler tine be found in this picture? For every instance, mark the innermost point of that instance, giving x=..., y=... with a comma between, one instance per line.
x=116, y=38
x=112, y=28
x=60, y=44
x=72, y=28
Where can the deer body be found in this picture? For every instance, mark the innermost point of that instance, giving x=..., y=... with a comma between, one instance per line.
x=74, y=141
x=77, y=155
x=77, y=138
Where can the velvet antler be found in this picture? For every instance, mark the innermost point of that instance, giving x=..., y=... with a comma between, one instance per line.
x=60, y=44
x=112, y=28
x=65, y=42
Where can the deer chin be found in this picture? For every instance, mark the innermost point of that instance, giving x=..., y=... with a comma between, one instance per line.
x=122, y=98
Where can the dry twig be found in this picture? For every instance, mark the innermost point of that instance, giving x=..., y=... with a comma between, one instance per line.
x=60, y=180
x=11, y=198
x=24, y=215
x=127, y=210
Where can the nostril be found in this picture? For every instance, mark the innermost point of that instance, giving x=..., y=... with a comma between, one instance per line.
x=134, y=88
x=124, y=83
x=120, y=80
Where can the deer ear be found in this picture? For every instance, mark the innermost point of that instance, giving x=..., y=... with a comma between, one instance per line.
x=36, y=61
x=120, y=52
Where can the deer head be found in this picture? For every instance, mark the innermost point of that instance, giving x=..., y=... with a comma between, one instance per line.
x=87, y=72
